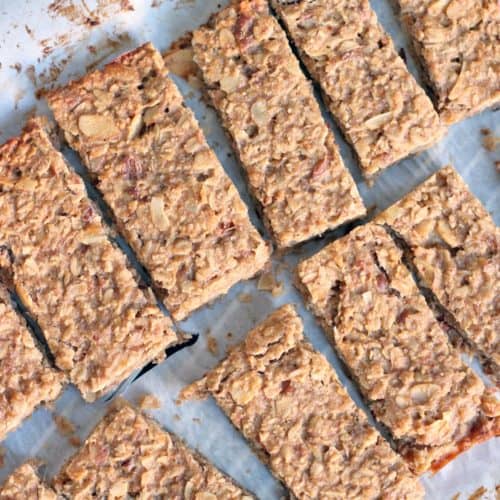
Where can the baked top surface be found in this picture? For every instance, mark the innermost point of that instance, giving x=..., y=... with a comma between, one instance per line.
x=24, y=483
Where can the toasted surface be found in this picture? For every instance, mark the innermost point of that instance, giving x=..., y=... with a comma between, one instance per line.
x=287, y=401
x=458, y=45
x=268, y=109
x=24, y=484
x=128, y=455
x=170, y=196
x=26, y=379
x=455, y=246
x=382, y=111
x=411, y=377
x=56, y=253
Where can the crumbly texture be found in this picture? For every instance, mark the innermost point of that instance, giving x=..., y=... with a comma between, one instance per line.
x=169, y=194
x=268, y=109
x=458, y=45
x=411, y=377
x=128, y=456
x=455, y=246
x=378, y=105
x=287, y=401
x=24, y=484
x=26, y=379
x=56, y=253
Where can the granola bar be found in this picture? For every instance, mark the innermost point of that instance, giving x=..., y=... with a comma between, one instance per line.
x=287, y=401
x=268, y=109
x=26, y=379
x=457, y=43
x=57, y=255
x=128, y=456
x=378, y=105
x=413, y=380
x=23, y=484
x=455, y=246
x=169, y=194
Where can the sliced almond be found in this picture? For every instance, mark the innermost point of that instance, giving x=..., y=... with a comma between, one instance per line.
x=259, y=113
x=445, y=232
x=435, y=8
x=226, y=38
x=231, y=83
x=93, y=235
x=26, y=184
x=158, y=215
x=455, y=9
x=460, y=83
x=97, y=126
x=135, y=126
x=377, y=121
x=181, y=63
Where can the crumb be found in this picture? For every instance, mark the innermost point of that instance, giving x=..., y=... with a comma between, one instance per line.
x=229, y=335
x=490, y=142
x=75, y=441
x=149, y=402
x=28, y=30
x=177, y=417
x=268, y=283
x=497, y=166
x=196, y=420
x=212, y=345
x=18, y=67
x=64, y=426
x=478, y=493
x=2, y=456
x=246, y=298
x=485, y=131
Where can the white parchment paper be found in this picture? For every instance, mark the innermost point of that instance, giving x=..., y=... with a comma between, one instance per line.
x=40, y=45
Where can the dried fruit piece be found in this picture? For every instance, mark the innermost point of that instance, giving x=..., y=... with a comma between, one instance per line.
x=158, y=214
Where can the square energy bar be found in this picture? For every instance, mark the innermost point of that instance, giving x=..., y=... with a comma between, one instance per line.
x=129, y=456
x=26, y=379
x=457, y=43
x=24, y=484
x=454, y=244
x=287, y=401
x=413, y=380
x=376, y=102
x=170, y=197
x=267, y=107
x=56, y=254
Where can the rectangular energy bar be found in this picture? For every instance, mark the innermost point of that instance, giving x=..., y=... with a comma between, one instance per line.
x=26, y=379
x=267, y=107
x=375, y=101
x=170, y=197
x=413, y=380
x=23, y=484
x=57, y=255
x=287, y=401
x=457, y=43
x=129, y=456
x=455, y=246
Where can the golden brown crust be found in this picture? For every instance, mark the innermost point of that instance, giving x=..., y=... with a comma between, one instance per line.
x=267, y=106
x=458, y=45
x=382, y=111
x=56, y=253
x=170, y=196
x=129, y=455
x=24, y=484
x=412, y=379
x=287, y=401
x=26, y=379
x=455, y=246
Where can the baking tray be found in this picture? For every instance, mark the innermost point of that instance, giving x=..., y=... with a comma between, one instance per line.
x=45, y=42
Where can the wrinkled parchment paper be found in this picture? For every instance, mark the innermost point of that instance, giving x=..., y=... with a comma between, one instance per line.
x=42, y=42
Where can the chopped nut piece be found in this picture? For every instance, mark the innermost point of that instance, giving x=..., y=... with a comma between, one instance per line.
x=98, y=323
x=25, y=483
x=376, y=102
x=461, y=266
x=128, y=455
x=170, y=197
x=287, y=401
x=457, y=45
x=149, y=402
x=256, y=86
x=413, y=380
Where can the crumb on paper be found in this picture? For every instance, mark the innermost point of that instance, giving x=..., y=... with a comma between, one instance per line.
x=196, y=420
x=75, y=441
x=456, y=496
x=17, y=67
x=177, y=417
x=149, y=402
x=80, y=14
x=267, y=282
x=497, y=166
x=212, y=345
x=2, y=456
x=485, y=131
x=64, y=426
x=478, y=493
x=490, y=142
x=245, y=298
x=229, y=335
